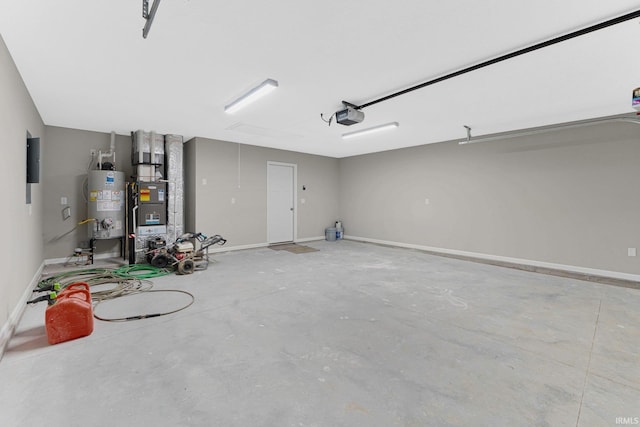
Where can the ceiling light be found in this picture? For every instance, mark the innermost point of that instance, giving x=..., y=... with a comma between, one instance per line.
x=257, y=92
x=367, y=131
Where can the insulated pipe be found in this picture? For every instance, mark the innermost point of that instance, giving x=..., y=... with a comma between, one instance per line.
x=175, y=203
x=152, y=147
x=152, y=155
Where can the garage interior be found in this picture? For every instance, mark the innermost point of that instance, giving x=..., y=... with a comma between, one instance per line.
x=487, y=272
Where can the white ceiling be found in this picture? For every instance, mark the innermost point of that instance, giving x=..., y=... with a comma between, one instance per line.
x=87, y=66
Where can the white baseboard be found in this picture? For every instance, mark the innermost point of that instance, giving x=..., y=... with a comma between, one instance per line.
x=310, y=239
x=12, y=322
x=236, y=248
x=509, y=260
x=52, y=261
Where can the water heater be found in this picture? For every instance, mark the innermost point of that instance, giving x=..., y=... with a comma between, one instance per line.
x=106, y=200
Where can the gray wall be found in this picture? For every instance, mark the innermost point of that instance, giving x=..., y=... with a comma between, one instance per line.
x=190, y=200
x=240, y=171
x=64, y=170
x=21, y=228
x=568, y=197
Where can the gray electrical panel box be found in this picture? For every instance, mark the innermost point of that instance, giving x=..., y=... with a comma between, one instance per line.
x=152, y=203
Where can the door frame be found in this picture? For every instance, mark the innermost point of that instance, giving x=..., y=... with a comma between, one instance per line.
x=295, y=197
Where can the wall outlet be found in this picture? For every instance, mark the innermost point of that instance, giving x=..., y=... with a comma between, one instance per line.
x=66, y=213
x=631, y=251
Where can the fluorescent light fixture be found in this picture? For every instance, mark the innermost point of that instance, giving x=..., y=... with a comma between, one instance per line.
x=257, y=92
x=368, y=131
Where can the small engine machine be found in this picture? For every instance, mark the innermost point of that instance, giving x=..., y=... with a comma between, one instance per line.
x=188, y=253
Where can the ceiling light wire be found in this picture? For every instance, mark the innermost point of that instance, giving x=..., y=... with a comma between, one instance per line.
x=330, y=118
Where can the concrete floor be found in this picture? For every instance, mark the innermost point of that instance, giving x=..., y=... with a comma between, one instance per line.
x=352, y=335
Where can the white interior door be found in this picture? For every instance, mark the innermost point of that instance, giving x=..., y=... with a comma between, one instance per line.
x=280, y=202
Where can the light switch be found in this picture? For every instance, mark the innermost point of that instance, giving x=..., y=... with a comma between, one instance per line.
x=63, y=201
x=302, y=201
x=631, y=251
x=204, y=181
x=426, y=201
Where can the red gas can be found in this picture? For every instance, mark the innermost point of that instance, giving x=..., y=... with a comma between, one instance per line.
x=73, y=286
x=70, y=317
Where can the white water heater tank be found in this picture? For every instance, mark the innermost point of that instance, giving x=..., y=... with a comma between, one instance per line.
x=106, y=204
